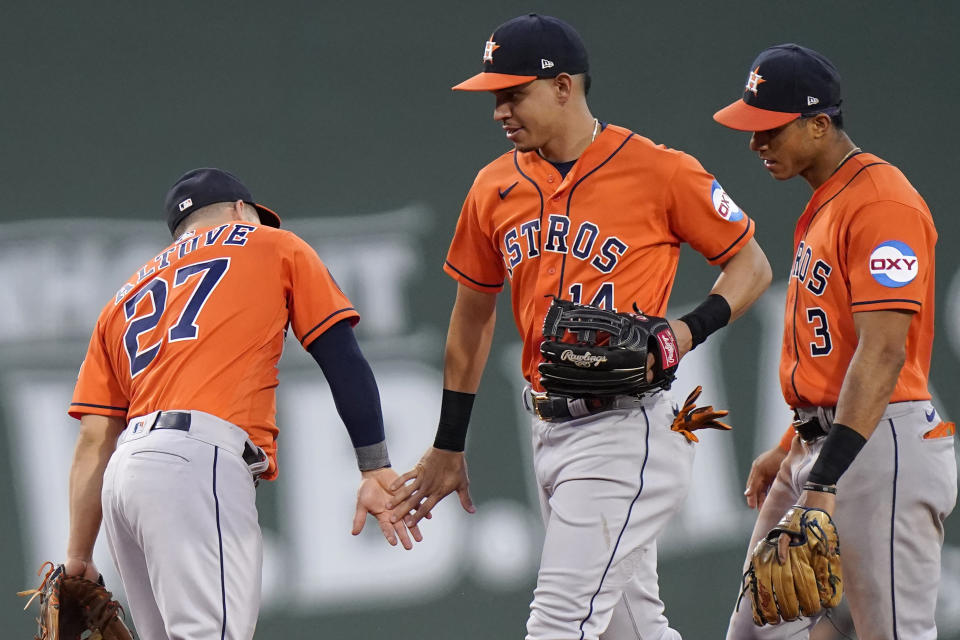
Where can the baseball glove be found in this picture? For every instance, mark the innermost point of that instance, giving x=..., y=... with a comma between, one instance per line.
x=72, y=607
x=690, y=417
x=590, y=351
x=811, y=577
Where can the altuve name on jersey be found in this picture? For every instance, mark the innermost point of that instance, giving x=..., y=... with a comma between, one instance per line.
x=187, y=244
x=819, y=273
x=523, y=241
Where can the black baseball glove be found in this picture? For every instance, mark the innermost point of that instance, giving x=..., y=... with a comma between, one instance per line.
x=590, y=351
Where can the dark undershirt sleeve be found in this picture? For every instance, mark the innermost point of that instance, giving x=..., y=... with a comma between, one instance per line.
x=352, y=383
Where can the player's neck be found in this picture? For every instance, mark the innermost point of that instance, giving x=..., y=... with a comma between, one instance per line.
x=830, y=160
x=572, y=140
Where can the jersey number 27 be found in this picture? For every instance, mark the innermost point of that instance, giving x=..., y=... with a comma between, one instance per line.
x=185, y=327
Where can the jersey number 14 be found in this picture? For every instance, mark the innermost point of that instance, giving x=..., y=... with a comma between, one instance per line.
x=603, y=298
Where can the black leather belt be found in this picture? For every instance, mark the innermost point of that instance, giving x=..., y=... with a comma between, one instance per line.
x=550, y=408
x=180, y=420
x=809, y=430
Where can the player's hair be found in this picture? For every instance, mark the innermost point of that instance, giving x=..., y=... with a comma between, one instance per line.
x=209, y=211
x=586, y=84
x=836, y=119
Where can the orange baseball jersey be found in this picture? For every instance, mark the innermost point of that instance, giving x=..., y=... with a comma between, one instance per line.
x=201, y=327
x=608, y=234
x=864, y=243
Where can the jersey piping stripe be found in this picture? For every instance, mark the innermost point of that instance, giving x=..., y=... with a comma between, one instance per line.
x=97, y=406
x=830, y=199
x=563, y=261
x=223, y=582
x=796, y=284
x=479, y=284
x=903, y=300
x=893, y=520
x=613, y=552
x=516, y=165
x=739, y=238
x=323, y=322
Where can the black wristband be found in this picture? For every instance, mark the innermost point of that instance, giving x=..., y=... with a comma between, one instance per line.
x=455, y=411
x=839, y=449
x=712, y=314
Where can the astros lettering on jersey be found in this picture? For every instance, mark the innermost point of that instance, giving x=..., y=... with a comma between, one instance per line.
x=625, y=201
x=864, y=243
x=144, y=354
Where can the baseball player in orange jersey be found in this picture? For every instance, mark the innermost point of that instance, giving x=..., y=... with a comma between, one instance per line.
x=868, y=446
x=176, y=403
x=594, y=213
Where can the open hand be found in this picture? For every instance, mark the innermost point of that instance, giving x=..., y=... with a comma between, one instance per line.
x=438, y=474
x=374, y=497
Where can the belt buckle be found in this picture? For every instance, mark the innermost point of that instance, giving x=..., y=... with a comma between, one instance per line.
x=804, y=427
x=535, y=401
x=538, y=401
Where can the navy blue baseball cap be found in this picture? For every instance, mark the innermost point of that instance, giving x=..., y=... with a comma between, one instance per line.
x=785, y=82
x=527, y=48
x=201, y=187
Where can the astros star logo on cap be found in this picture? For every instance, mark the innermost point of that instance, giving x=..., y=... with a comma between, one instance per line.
x=528, y=47
x=754, y=81
x=797, y=82
x=488, y=50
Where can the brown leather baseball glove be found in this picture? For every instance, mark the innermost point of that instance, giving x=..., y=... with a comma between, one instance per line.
x=810, y=579
x=72, y=607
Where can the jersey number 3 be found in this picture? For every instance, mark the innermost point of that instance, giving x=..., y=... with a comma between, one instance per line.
x=185, y=327
x=823, y=345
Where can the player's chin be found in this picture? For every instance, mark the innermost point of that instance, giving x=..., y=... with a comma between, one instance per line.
x=525, y=145
x=779, y=172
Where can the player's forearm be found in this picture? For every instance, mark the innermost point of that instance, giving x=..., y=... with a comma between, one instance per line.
x=95, y=444
x=864, y=395
x=468, y=346
x=468, y=339
x=869, y=383
x=355, y=393
x=743, y=279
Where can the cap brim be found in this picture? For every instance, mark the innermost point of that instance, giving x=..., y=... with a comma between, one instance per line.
x=267, y=216
x=485, y=81
x=743, y=117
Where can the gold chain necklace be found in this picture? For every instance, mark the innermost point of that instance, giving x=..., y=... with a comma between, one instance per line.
x=845, y=158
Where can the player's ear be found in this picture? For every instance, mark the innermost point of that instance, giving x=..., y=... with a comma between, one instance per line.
x=236, y=211
x=819, y=125
x=563, y=87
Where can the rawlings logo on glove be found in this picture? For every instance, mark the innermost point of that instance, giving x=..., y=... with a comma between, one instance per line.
x=582, y=359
